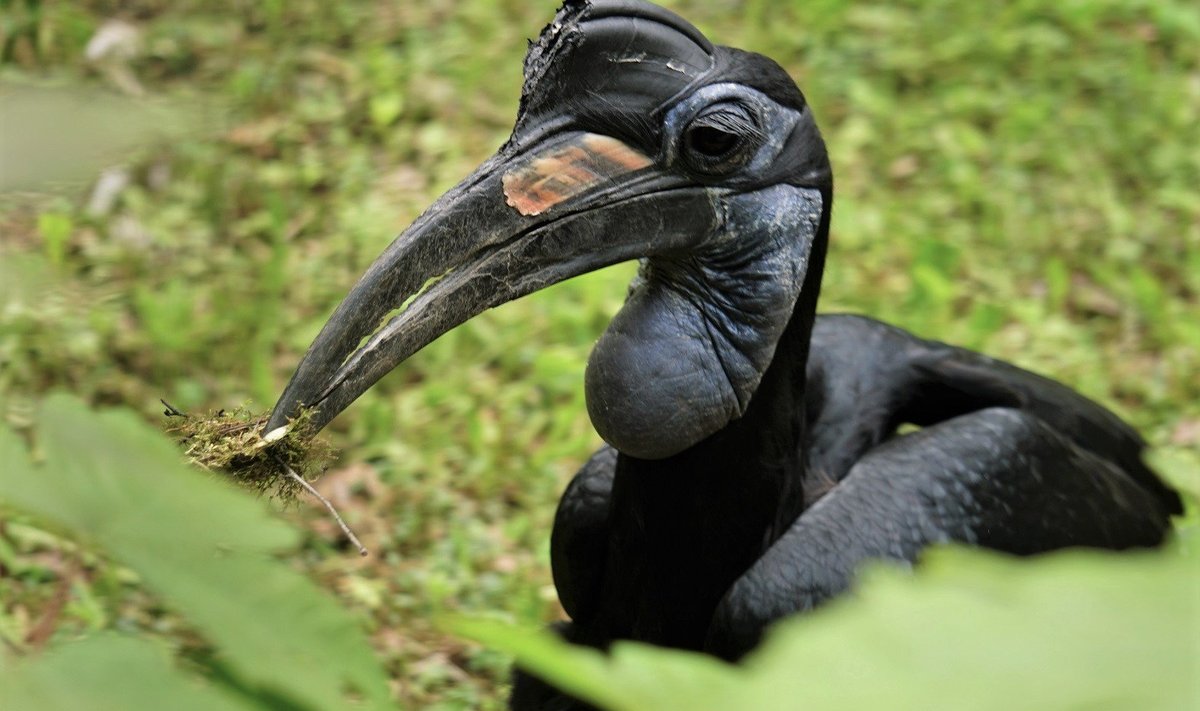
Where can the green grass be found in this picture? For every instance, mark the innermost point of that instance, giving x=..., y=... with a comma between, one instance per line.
x=1018, y=179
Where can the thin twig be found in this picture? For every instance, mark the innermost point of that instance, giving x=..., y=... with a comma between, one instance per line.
x=171, y=410
x=362, y=550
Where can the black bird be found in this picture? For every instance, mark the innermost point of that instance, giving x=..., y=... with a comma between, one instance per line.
x=753, y=459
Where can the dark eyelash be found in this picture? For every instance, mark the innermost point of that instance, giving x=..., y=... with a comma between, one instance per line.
x=730, y=122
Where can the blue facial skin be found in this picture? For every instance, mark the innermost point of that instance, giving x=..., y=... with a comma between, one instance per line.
x=685, y=354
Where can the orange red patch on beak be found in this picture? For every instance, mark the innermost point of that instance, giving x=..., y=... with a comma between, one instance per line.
x=568, y=169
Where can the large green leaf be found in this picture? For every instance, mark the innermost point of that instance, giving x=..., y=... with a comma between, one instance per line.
x=109, y=673
x=67, y=133
x=633, y=677
x=972, y=630
x=203, y=546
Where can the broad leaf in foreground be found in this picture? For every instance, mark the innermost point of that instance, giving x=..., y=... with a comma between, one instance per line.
x=115, y=483
x=972, y=630
x=89, y=675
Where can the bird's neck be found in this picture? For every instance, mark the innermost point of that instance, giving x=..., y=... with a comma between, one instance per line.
x=686, y=527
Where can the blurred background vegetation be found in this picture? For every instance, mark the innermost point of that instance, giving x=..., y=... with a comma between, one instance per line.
x=187, y=188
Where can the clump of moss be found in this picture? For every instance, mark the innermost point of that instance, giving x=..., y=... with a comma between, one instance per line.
x=233, y=442
x=277, y=463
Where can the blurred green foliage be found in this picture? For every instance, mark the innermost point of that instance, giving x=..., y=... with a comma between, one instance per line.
x=973, y=630
x=1020, y=179
x=199, y=545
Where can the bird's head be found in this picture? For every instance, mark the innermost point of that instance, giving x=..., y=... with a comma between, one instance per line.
x=636, y=138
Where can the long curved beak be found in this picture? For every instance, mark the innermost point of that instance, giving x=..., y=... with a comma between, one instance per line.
x=527, y=218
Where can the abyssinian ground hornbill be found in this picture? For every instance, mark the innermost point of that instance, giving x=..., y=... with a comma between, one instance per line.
x=753, y=460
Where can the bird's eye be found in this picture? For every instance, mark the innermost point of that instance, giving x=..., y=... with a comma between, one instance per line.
x=711, y=141
x=721, y=139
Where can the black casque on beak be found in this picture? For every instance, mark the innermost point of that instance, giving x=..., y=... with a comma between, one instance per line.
x=635, y=138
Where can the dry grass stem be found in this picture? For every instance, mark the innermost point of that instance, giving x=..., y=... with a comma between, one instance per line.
x=362, y=550
x=277, y=464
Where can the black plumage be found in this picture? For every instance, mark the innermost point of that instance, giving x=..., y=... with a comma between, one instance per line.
x=755, y=457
